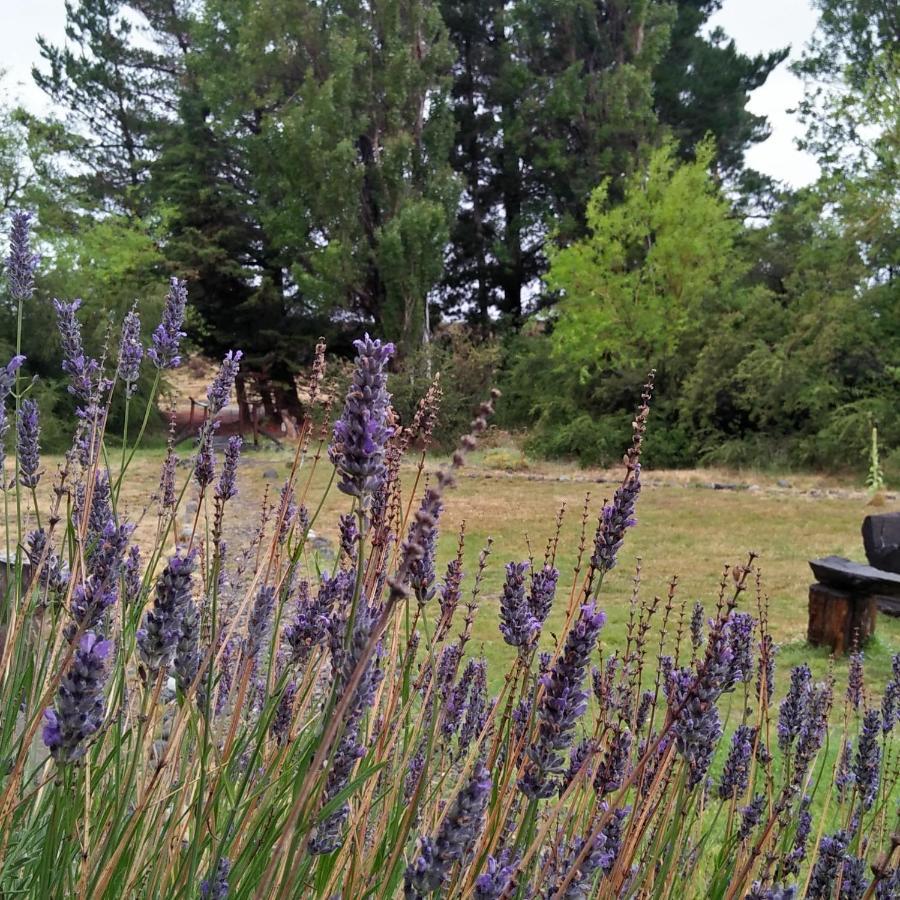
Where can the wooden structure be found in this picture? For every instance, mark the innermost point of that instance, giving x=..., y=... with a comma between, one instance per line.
x=846, y=597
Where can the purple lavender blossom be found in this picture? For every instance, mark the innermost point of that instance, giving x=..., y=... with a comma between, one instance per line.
x=157, y=639
x=215, y=886
x=82, y=369
x=226, y=487
x=362, y=432
x=543, y=590
x=844, y=777
x=736, y=772
x=603, y=681
x=498, y=874
x=131, y=352
x=259, y=621
x=697, y=617
x=580, y=754
x=563, y=702
x=600, y=859
x=643, y=711
x=517, y=623
x=457, y=834
x=219, y=392
x=28, y=444
x=613, y=767
x=773, y=892
x=451, y=589
x=78, y=713
x=738, y=631
x=853, y=878
x=890, y=706
x=867, y=764
x=616, y=519
x=187, y=651
x=54, y=575
x=855, y=680
x=205, y=461
x=8, y=376
x=168, y=335
x=100, y=589
x=476, y=708
x=456, y=699
x=328, y=834
x=225, y=667
x=349, y=538
x=888, y=888
x=132, y=580
x=414, y=770
x=166, y=493
x=422, y=575
x=813, y=729
x=794, y=859
x=7, y=380
x=697, y=724
x=21, y=263
x=828, y=866
x=281, y=721
x=309, y=627
x=793, y=707
x=750, y=816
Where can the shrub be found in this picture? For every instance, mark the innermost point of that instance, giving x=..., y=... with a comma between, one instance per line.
x=259, y=722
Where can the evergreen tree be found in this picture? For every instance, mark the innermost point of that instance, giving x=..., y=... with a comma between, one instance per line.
x=703, y=83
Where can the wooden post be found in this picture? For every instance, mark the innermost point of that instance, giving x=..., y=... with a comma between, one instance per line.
x=836, y=615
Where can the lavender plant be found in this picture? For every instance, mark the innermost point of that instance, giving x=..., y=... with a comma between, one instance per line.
x=227, y=711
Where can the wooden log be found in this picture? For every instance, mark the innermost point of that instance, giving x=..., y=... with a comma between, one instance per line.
x=837, y=616
x=888, y=605
x=881, y=538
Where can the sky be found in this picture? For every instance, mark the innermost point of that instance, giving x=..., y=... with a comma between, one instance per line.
x=756, y=26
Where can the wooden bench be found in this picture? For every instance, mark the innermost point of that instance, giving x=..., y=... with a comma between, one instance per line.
x=845, y=599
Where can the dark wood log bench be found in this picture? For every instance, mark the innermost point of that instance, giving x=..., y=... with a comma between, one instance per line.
x=845, y=599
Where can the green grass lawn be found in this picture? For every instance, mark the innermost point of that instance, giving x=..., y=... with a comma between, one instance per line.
x=682, y=531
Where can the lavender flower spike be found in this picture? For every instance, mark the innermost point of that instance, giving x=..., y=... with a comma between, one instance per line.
x=543, y=590
x=7, y=380
x=616, y=519
x=166, y=339
x=828, y=865
x=258, y=623
x=219, y=392
x=131, y=352
x=362, y=432
x=21, y=263
x=855, y=680
x=158, y=639
x=79, y=701
x=454, y=840
x=737, y=766
x=28, y=447
x=215, y=887
x=563, y=702
x=867, y=765
x=80, y=368
x=518, y=625
x=226, y=487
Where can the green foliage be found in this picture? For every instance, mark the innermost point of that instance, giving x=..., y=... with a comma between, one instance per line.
x=467, y=370
x=650, y=270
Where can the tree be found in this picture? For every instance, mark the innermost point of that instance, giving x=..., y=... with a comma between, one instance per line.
x=549, y=98
x=642, y=289
x=703, y=83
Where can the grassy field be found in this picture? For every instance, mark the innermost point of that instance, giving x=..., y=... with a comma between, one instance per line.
x=683, y=530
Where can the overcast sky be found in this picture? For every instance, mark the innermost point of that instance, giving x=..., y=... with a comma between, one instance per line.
x=755, y=25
